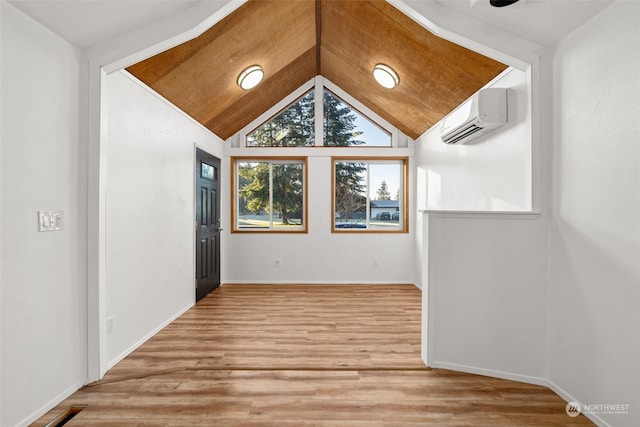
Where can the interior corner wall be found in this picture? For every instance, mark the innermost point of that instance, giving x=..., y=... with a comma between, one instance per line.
x=486, y=279
x=487, y=295
x=150, y=243
x=594, y=279
x=43, y=167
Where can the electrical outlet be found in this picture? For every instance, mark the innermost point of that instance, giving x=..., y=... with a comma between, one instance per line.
x=376, y=263
x=109, y=324
x=278, y=262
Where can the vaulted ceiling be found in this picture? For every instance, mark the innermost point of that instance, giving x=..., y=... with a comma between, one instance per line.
x=296, y=40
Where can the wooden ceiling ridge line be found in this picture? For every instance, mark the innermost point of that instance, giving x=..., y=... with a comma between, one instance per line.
x=318, y=36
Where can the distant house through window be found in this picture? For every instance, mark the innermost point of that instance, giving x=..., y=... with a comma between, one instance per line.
x=369, y=194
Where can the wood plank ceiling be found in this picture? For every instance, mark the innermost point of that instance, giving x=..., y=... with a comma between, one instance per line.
x=295, y=40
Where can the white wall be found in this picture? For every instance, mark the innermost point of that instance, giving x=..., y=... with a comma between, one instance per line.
x=492, y=173
x=556, y=298
x=150, y=212
x=487, y=294
x=484, y=291
x=43, y=275
x=318, y=256
x=594, y=286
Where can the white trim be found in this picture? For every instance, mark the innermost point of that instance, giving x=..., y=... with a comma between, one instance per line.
x=319, y=83
x=194, y=214
x=427, y=297
x=50, y=404
x=483, y=215
x=520, y=378
x=491, y=373
x=535, y=93
x=270, y=195
x=148, y=336
x=568, y=398
x=455, y=27
x=96, y=225
x=271, y=112
x=314, y=283
x=319, y=111
x=148, y=41
x=165, y=100
x=369, y=152
x=363, y=110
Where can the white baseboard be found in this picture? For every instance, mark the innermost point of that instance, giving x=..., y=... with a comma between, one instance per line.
x=144, y=339
x=520, y=378
x=51, y=404
x=568, y=398
x=306, y=282
x=491, y=373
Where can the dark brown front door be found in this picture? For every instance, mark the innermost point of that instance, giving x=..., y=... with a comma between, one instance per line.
x=207, y=223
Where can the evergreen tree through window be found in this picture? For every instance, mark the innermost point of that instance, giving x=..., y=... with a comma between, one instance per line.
x=293, y=127
x=342, y=126
x=345, y=126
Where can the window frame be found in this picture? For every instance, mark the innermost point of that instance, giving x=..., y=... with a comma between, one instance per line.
x=236, y=160
x=250, y=131
x=319, y=84
x=372, y=122
x=404, y=197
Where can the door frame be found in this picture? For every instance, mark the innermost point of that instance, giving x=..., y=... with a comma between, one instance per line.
x=195, y=171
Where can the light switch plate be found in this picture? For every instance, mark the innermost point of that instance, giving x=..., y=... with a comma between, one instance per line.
x=50, y=220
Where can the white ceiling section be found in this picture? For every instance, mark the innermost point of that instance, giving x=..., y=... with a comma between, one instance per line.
x=88, y=23
x=544, y=22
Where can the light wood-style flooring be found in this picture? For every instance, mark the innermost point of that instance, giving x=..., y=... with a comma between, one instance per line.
x=302, y=355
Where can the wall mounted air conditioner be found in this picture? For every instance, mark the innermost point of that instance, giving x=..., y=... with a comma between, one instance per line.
x=485, y=111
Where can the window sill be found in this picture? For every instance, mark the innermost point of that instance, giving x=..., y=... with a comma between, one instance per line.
x=483, y=214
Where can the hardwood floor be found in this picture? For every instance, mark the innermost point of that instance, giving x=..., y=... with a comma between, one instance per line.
x=302, y=355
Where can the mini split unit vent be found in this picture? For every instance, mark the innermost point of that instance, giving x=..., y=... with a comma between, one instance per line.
x=485, y=111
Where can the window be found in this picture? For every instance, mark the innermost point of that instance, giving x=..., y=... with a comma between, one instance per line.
x=344, y=126
x=370, y=194
x=208, y=172
x=338, y=123
x=293, y=127
x=269, y=194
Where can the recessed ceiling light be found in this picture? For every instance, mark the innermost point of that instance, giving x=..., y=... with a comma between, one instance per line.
x=385, y=76
x=250, y=77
